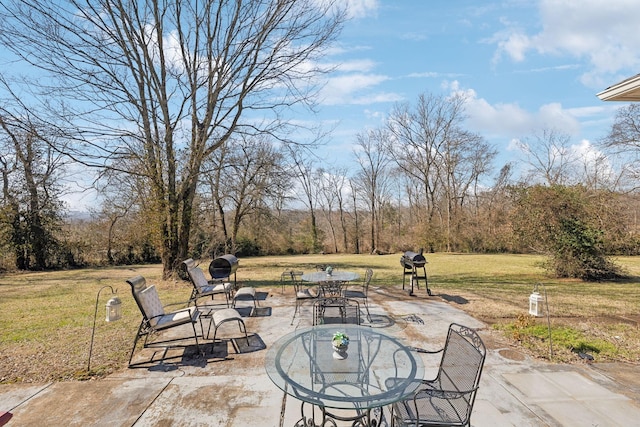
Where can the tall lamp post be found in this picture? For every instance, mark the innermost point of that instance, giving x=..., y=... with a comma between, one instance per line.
x=114, y=312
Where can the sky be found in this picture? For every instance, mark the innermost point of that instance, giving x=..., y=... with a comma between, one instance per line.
x=524, y=66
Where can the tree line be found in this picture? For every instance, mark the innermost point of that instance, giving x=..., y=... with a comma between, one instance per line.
x=183, y=112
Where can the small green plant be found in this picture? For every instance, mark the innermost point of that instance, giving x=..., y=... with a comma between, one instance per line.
x=340, y=339
x=566, y=340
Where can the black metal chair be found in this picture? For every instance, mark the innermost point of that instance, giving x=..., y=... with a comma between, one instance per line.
x=446, y=400
x=303, y=294
x=289, y=276
x=362, y=291
x=336, y=310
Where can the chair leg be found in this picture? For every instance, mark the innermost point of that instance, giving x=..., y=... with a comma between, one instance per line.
x=215, y=331
x=135, y=341
x=366, y=305
x=195, y=335
x=243, y=328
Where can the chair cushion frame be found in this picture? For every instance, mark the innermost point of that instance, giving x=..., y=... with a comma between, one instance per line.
x=203, y=287
x=157, y=321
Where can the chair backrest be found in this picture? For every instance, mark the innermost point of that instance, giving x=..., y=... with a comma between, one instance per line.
x=336, y=310
x=138, y=284
x=196, y=275
x=296, y=280
x=368, y=274
x=146, y=298
x=461, y=365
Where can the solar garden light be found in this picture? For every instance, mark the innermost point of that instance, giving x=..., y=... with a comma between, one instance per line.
x=536, y=309
x=114, y=312
x=535, y=302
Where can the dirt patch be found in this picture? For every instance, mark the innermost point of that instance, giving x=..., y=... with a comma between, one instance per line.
x=510, y=354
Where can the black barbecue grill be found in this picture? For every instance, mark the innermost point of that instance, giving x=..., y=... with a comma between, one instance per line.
x=413, y=259
x=414, y=265
x=223, y=267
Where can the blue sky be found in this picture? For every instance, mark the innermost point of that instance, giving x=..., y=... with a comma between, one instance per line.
x=524, y=65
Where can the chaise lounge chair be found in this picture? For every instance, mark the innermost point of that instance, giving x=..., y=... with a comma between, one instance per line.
x=202, y=287
x=155, y=320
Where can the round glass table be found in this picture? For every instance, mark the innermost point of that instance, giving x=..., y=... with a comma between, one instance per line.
x=335, y=276
x=330, y=284
x=304, y=366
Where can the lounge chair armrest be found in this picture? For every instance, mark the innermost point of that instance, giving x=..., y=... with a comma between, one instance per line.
x=173, y=304
x=164, y=314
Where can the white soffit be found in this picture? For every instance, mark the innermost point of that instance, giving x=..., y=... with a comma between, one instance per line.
x=626, y=90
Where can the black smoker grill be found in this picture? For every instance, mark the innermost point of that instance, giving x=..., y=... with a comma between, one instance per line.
x=223, y=267
x=414, y=265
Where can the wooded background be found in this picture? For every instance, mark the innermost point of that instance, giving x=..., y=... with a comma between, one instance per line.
x=180, y=114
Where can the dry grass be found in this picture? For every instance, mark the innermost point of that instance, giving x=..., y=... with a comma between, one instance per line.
x=46, y=318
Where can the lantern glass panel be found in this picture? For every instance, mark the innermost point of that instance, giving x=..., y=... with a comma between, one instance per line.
x=535, y=306
x=114, y=309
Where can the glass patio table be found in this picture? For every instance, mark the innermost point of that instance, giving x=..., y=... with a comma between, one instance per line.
x=330, y=284
x=349, y=388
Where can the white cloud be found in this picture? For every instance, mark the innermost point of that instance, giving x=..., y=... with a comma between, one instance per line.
x=511, y=120
x=360, y=65
x=603, y=33
x=356, y=89
x=362, y=8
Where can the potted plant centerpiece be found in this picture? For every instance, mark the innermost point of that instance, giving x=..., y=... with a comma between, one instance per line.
x=340, y=344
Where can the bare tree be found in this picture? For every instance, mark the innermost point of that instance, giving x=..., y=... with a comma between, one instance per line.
x=306, y=176
x=374, y=175
x=549, y=157
x=340, y=188
x=432, y=148
x=332, y=186
x=355, y=187
x=624, y=139
x=417, y=138
x=120, y=195
x=167, y=83
x=243, y=182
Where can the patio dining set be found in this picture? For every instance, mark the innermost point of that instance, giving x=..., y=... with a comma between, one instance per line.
x=340, y=368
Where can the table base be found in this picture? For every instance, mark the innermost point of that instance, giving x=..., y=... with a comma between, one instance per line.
x=364, y=418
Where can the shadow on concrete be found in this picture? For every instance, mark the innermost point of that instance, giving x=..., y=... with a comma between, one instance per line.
x=382, y=321
x=254, y=311
x=454, y=298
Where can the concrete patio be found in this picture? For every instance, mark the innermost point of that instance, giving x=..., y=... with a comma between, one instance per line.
x=225, y=388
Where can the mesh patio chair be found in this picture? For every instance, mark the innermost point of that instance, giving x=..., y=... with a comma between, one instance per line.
x=156, y=320
x=361, y=292
x=289, y=276
x=303, y=294
x=336, y=310
x=446, y=400
x=203, y=287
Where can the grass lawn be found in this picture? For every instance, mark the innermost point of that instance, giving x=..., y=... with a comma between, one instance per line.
x=46, y=317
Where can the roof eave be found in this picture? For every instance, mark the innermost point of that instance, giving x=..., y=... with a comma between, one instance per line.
x=626, y=90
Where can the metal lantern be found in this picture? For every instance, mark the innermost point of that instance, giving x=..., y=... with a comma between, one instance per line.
x=114, y=309
x=535, y=304
x=114, y=312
